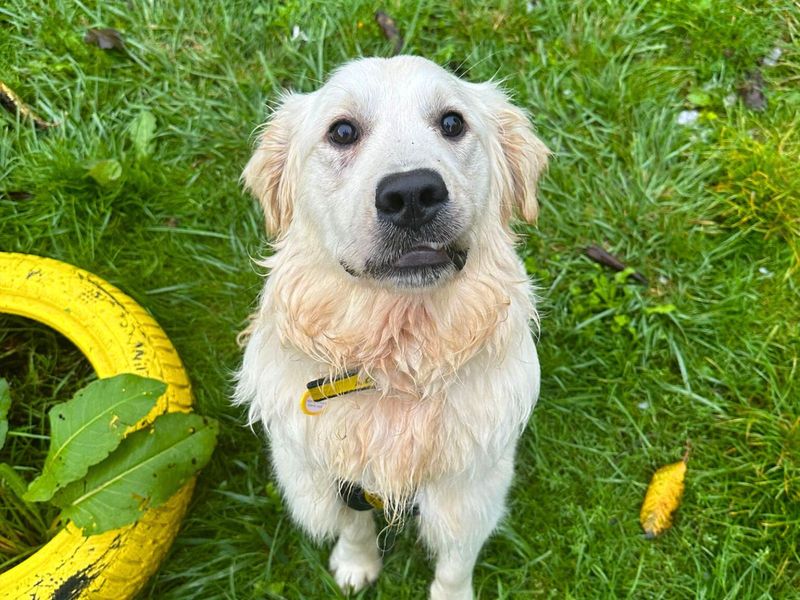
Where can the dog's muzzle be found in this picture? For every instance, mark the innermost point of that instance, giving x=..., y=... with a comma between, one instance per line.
x=416, y=243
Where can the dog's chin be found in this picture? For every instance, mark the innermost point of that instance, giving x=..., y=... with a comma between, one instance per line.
x=418, y=277
x=419, y=267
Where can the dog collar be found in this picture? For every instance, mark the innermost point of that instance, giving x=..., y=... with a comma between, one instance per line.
x=357, y=498
x=318, y=392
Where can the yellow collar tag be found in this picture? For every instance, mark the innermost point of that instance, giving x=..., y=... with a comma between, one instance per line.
x=315, y=398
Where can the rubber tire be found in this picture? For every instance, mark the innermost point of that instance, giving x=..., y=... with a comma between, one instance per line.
x=117, y=336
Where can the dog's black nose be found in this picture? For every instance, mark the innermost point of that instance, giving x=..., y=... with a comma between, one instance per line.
x=410, y=199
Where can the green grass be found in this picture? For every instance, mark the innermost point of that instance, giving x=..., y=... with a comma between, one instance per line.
x=42, y=368
x=708, y=212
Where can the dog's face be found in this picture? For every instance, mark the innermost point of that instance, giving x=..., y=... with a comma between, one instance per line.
x=396, y=169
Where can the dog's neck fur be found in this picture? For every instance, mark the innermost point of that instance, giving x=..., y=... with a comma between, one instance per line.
x=409, y=342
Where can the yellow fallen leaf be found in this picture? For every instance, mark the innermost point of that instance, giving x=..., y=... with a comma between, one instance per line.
x=663, y=497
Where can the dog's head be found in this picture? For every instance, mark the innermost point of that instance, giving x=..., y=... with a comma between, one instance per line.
x=396, y=169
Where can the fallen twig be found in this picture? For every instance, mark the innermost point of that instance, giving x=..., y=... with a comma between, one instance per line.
x=598, y=255
x=390, y=30
x=14, y=104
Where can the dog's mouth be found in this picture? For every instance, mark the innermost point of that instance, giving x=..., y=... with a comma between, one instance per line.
x=420, y=265
x=426, y=256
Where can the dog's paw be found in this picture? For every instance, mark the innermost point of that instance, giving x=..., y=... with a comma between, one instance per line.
x=355, y=570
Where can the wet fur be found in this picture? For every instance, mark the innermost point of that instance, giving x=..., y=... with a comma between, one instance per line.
x=454, y=364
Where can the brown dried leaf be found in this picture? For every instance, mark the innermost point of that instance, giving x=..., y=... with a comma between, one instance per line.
x=15, y=195
x=390, y=30
x=599, y=255
x=752, y=92
x=105, y=38
x=14, y=104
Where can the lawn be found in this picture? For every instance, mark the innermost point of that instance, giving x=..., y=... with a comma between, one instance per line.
x=708, y=211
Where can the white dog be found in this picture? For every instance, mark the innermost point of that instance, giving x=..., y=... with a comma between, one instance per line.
x=394, y=276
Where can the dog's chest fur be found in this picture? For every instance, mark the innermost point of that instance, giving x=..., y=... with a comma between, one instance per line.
x=389, y=444
x=419, y=349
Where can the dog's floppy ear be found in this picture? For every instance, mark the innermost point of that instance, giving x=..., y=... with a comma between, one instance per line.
x=271, y=173
x=524, y=156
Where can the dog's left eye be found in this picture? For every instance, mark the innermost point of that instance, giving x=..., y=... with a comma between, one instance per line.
x=343, y=133
x=452, y=124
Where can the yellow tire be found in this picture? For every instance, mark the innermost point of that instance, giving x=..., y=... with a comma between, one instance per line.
x=117, y=336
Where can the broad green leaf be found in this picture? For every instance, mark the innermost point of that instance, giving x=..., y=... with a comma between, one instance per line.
x=85, y=429
x=660, y=309
x=142, y=129
x=622, y=276
x=698, y=98
x=622, y=320
x=5, y=404
x=148, y=467
x=106, y=171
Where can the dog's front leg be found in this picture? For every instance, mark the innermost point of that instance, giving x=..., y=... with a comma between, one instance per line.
x=316, y=506
x=457, y=515
x=355, y=560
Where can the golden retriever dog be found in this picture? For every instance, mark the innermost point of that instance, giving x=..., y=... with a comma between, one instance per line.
x=391, y=359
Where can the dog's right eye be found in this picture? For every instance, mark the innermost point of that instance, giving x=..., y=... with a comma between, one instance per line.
x=343, y=133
